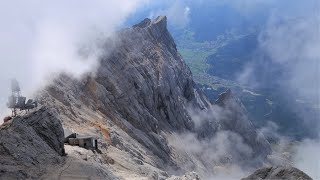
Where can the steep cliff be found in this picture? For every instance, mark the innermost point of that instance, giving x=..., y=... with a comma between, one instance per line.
x=139, y=95
x=142, y=94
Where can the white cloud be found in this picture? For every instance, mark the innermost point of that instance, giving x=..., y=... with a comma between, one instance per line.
x=39, y=37
x=307, y=158
x=214, y=158
x=294, y=43
x=291, y=40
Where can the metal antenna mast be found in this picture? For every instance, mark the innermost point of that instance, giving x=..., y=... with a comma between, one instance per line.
x=17, y=101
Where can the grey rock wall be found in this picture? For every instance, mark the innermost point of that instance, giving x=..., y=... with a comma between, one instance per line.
x=28, y=144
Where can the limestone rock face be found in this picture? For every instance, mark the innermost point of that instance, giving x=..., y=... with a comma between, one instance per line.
x=279, y=173
x=28, y=144
x=142, y=86
x=138, y=96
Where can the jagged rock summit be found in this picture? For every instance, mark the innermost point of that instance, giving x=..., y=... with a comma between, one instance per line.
x=279, y=173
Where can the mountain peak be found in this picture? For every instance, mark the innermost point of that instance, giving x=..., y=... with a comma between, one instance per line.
x=157, y=30
x=159, y=23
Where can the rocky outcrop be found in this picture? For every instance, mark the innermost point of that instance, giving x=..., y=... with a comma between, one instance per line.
x=279, y=173
x=29, y=144
x=235, y=118
x=188, y=176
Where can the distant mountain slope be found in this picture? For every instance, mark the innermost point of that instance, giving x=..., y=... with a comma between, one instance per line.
x=225, y=62
x=231, y=60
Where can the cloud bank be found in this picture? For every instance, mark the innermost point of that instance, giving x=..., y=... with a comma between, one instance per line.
x=42, y=38
x=307, y=157
x=291, y=41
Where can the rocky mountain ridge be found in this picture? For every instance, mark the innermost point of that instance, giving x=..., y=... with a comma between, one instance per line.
x=138, y=98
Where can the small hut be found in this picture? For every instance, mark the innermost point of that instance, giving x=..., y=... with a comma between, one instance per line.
x=86, y=142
